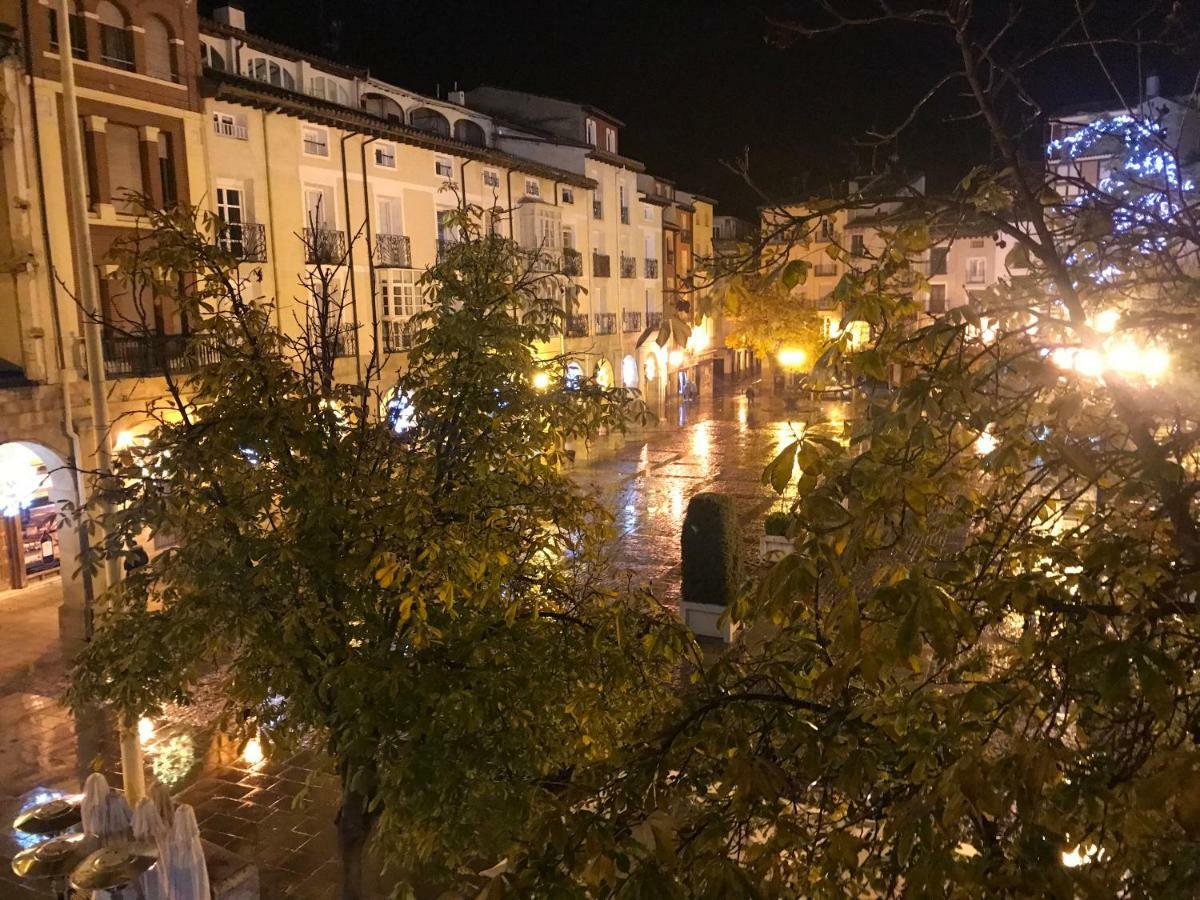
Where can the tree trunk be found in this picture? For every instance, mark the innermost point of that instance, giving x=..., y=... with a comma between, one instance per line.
x=354, y=822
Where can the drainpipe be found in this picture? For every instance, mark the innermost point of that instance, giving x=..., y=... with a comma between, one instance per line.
x=508, y=187
x=350, y=255
x=274, y=260
x=132, y=766
x=64, y=376
x=362, y=153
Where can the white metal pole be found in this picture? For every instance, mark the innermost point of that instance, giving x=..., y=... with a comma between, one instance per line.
x=132, y=766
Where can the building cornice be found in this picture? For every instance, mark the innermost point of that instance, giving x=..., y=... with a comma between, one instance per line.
x=230, y=88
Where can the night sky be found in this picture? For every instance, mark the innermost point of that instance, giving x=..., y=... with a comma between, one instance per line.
x=698, y=82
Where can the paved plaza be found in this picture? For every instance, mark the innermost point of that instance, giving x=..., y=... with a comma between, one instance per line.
x=279, y=813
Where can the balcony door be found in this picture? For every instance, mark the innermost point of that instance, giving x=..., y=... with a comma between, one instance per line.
x=318, y=207
x=231, y=208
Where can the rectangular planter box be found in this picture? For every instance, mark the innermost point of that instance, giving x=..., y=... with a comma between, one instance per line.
x=704, y=619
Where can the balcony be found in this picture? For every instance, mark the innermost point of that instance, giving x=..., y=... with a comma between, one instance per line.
x=653, y=319
x=154, y=355
x=398, y=334
x=324, y=246
x=651, y=267
x=393, y=251
x=601, y=265
x=245, y=240
x=572, y=262
x=606, y=323
x=597, y=209
x=445, y=246
x=227, y=128
x=344, y=341
x=577, y=325
x=685, y=235
x=631, y=320
x=624, y=215
x=628, y=266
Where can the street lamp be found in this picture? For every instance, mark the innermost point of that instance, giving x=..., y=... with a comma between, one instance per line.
x=791, y=357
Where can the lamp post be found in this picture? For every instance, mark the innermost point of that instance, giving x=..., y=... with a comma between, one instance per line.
x=132, y=769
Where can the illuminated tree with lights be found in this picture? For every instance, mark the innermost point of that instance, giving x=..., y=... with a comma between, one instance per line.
x=398, y=572
x=976, y=675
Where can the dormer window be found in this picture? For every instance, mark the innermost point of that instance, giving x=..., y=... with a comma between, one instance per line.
x=533, y=187
x=568, y=196
x=591, y=131
x=610, y=140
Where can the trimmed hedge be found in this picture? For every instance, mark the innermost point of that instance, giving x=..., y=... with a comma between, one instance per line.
x=712, y=550
x=777, y=524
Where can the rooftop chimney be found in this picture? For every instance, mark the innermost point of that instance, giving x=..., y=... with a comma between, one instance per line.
x=231, y=15
x=459, y=97
x=1152, y=86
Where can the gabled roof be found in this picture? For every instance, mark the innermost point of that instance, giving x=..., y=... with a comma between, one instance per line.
x=232, y=88
x=616, y=159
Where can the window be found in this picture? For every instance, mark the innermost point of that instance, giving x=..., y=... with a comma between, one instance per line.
x=385, y=155
x=212, y=58
x=491, y=178
x=230, y=125
x=937, y=298
x=124, y=166
x=597, y=208
x=568, y=237
x=399, y=300
x=318, y=207
x=976, y=243
x=166, y=168
x=647, y=213
x=270, y=72
x=316, y=141
x=590, y=126
x=328, y=89
x=858, y=245
x=610, y=140
x=116, y=42
x=160, y=61
x=976, y=270
x=78, y=29
x=568, y=196
x=426, y=119
x=533, y=187
x=229, y=209
x=442, y=168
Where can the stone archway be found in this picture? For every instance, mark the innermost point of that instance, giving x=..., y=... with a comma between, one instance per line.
x=36, y=484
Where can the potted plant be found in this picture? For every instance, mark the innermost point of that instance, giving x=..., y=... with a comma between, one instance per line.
x=775, y=543
x=712, y=564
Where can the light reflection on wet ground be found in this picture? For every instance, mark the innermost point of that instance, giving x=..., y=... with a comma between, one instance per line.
x=646, y=479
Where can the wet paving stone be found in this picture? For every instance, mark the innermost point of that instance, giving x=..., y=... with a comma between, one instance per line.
x=279, y=814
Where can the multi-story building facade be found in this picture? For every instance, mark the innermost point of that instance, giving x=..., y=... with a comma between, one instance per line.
x=308, y=162
x=136, y=70
x=313, y=163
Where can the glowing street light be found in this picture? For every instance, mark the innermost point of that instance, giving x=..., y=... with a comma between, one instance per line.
x=1106, y=321
x=145, y=729
x=791, y=357
x=675, y=358
x=541, y=380
x=252, y=753
x=986, y=442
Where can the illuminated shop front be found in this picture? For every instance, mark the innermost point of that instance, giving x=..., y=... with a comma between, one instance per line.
x=29, y=525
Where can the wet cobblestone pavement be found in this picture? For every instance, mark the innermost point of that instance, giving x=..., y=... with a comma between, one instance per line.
x=279, y=813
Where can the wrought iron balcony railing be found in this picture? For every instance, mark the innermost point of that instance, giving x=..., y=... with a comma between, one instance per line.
x=344, y=341
x=653, y=319
x=572, y=262
x=601, y=265
x=628, y=266
x=147, y=356
x=631, y=320
x=606, y=323
x=445, y=246
x=577, y=325
x=650, y=266
x=245, y=240
x=324, y=246
x=398, y=334
x=597, y=209
x=393, y=251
